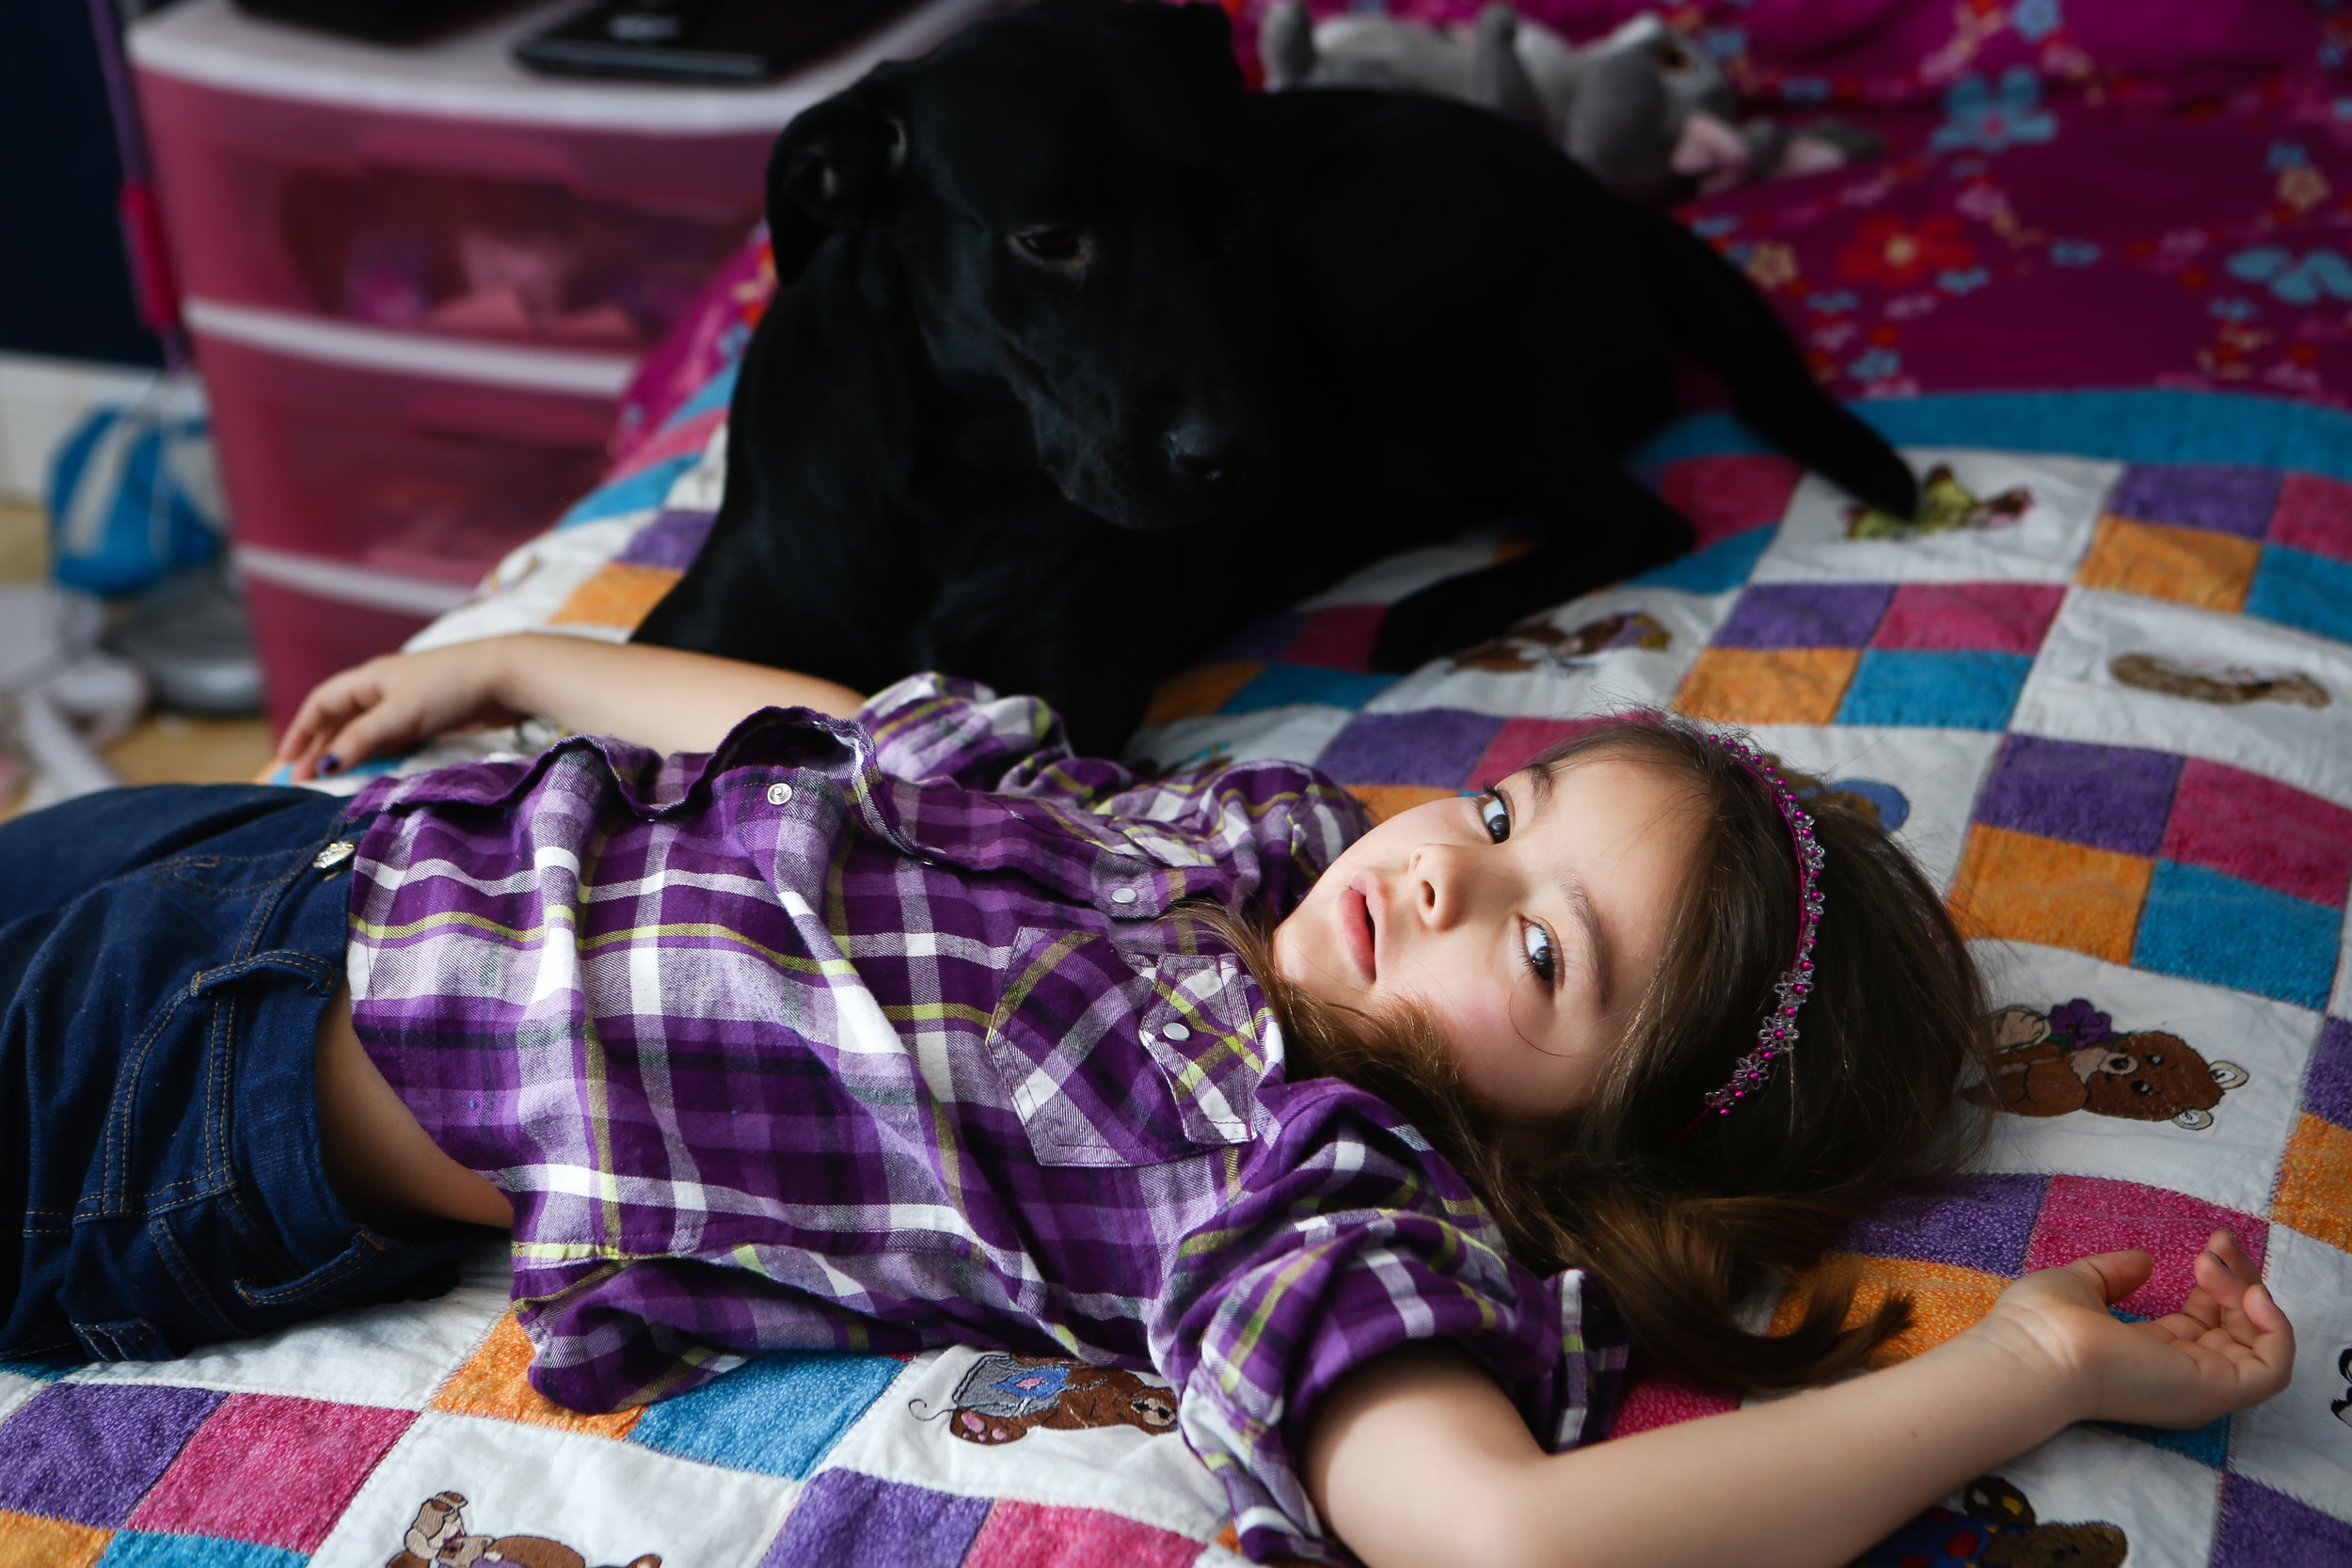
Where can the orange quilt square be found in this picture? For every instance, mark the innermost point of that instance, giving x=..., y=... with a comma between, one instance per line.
x=2022, y=887
x=619, y=595
x=2193, y=566
x=492, y=1384
x=1768, y=686
x=1945, y=1299
x=37, y=1541
x=1197, y=693
x=1385, y=800
x=2315, y=1193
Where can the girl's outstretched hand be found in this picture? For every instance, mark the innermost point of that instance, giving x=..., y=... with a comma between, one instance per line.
x=2227, y=1348
x=394, y=704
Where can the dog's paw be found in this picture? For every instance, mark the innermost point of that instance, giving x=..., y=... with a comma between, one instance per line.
x=1441, y=619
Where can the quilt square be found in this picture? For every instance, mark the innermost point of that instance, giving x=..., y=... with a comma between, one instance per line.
x=2314, y=1192
x=32, y=1541
x=2294, y=1443
x=671, y=541
x=2157, y=561
x=2310, y=593
x=1198, y=692
x=1730, y=492
x=1518, y=741
x=2226, y=497
x=1716, y=568
x=230, y=1479
x=493, y=1382
x=1038, y=1535
x=2327, y=1080
x=1805, y=616
x=2084, y=1214
x=1382, y=802
x=1964, y=689
x=2248, y=826
x=1659, y=1401
x=619, y=596
x=1432, y=747
x=1995, y=517
x=1768, y=686
x=2314, y=514
x=137, y=1549
x=1984, y=1223
x=848, y=1520
x=2022, y=887
x=778, y=1415
x=89, y=1452
x=2111, y=797
x=1995, y=617
x=1337, y=638
x=2227, y=932
x=1944, y=1300
x=1281, y=685
x=2265, y=1528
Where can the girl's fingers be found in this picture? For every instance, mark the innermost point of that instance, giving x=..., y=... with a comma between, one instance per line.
x=2116, y=1273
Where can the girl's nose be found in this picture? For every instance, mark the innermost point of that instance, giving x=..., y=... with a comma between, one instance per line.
x=1437, y=886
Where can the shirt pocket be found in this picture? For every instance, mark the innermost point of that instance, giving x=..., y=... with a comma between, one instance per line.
x=1115, y=1058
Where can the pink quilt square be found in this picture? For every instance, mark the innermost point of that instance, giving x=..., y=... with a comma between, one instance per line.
x=2083, y=1214
x=1988, y=617
x=2261, y=831
x=1661, y=1401
x=1339, y=637
x=1032, y=1535
x=1518, y=741
x=271, y=1470
x=2314, y=514
x=1731, y=493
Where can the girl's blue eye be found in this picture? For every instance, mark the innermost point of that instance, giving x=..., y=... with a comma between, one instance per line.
x=1536, y=941
x=1495, y=814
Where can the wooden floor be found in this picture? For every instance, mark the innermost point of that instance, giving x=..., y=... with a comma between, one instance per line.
x=164, y=748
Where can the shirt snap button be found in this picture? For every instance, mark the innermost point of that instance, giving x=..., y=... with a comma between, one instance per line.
x=333, y=855
x=779, y=793
x=1175, y=1031
x=1123, y=896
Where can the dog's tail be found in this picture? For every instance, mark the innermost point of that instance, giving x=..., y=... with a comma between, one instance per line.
x=1716, y=317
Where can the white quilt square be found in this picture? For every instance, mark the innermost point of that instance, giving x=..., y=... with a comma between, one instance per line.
x=2295, y=1442
x=1296, y=732
x=2042, y=543
x=1926, y=781
x=2165, y=1504
x=2233, y=1162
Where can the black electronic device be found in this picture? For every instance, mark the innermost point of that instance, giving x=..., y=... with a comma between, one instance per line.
x=700, y=40
x=377, y=21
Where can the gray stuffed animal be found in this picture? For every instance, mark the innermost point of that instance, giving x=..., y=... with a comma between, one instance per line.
x=1653, y=118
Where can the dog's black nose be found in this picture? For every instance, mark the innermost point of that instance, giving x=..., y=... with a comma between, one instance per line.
x=1213, y=454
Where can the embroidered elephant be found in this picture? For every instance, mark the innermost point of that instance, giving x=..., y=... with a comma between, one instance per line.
x=2071, y=1059
x=1996, y=1528
x=438, y=1539
x=1003, y=1397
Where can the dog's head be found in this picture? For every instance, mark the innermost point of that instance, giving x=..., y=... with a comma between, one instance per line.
x=1071, y=197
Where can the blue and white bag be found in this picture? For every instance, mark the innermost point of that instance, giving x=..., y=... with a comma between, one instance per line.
x=134, y=495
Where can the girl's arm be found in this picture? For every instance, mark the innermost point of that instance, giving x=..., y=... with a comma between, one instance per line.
x=1416, y=1457
x=663, y=698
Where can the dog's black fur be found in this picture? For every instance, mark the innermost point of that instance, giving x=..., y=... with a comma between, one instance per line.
x=1083, y=357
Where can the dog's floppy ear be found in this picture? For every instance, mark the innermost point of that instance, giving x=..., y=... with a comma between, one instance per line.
x=831, y=168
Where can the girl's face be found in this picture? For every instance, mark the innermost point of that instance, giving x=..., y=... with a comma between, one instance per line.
x=1524, y=923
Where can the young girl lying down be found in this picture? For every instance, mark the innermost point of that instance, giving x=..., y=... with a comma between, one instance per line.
x=888, y=1024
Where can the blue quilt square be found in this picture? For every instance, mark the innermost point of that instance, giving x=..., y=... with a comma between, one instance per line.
x=778, y=1415
x=140, y=1549
x=2298, y=589
x=1721, y=567
x=1941, y=689
x=1283, y=685
x=2203, y=925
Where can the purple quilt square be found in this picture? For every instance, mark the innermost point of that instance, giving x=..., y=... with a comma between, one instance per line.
x=1983, y=1222
x=673, y=539
x=1435, y=746
x=2111, y=797
x=848, y=1520
x=1805, y=616
x=2327, y=1080
x=2228, y=497
x=88, y=1451
x=2265, y=1528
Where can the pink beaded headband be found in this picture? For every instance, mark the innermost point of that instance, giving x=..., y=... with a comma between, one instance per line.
x=1779, y=1032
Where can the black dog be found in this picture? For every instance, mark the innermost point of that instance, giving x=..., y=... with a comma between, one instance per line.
x=1085, y=356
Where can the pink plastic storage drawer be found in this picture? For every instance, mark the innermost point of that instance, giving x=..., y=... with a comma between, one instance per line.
x=302, y=639
x=548, y=233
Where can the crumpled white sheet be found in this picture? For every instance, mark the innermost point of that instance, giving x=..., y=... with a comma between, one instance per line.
x=61, y=695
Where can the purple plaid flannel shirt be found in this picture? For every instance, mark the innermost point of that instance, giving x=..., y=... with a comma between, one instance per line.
x=872, y=1036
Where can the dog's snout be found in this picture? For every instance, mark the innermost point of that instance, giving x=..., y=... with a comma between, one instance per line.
x=1207, y=453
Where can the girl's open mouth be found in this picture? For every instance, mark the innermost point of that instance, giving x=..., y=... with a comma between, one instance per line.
x=1358, y=932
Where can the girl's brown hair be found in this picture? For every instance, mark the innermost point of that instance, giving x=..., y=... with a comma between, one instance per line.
x=1685, y=1219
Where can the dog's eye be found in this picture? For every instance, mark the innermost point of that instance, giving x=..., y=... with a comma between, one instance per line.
x=1054, y=246
x=1673, y=58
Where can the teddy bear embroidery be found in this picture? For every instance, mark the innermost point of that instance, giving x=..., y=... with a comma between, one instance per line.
x=1538, y=642
x=438, y=1539
x=2071, y=1059
x=1995, y=1528
x=1946, y=506
x=1002, y=1397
